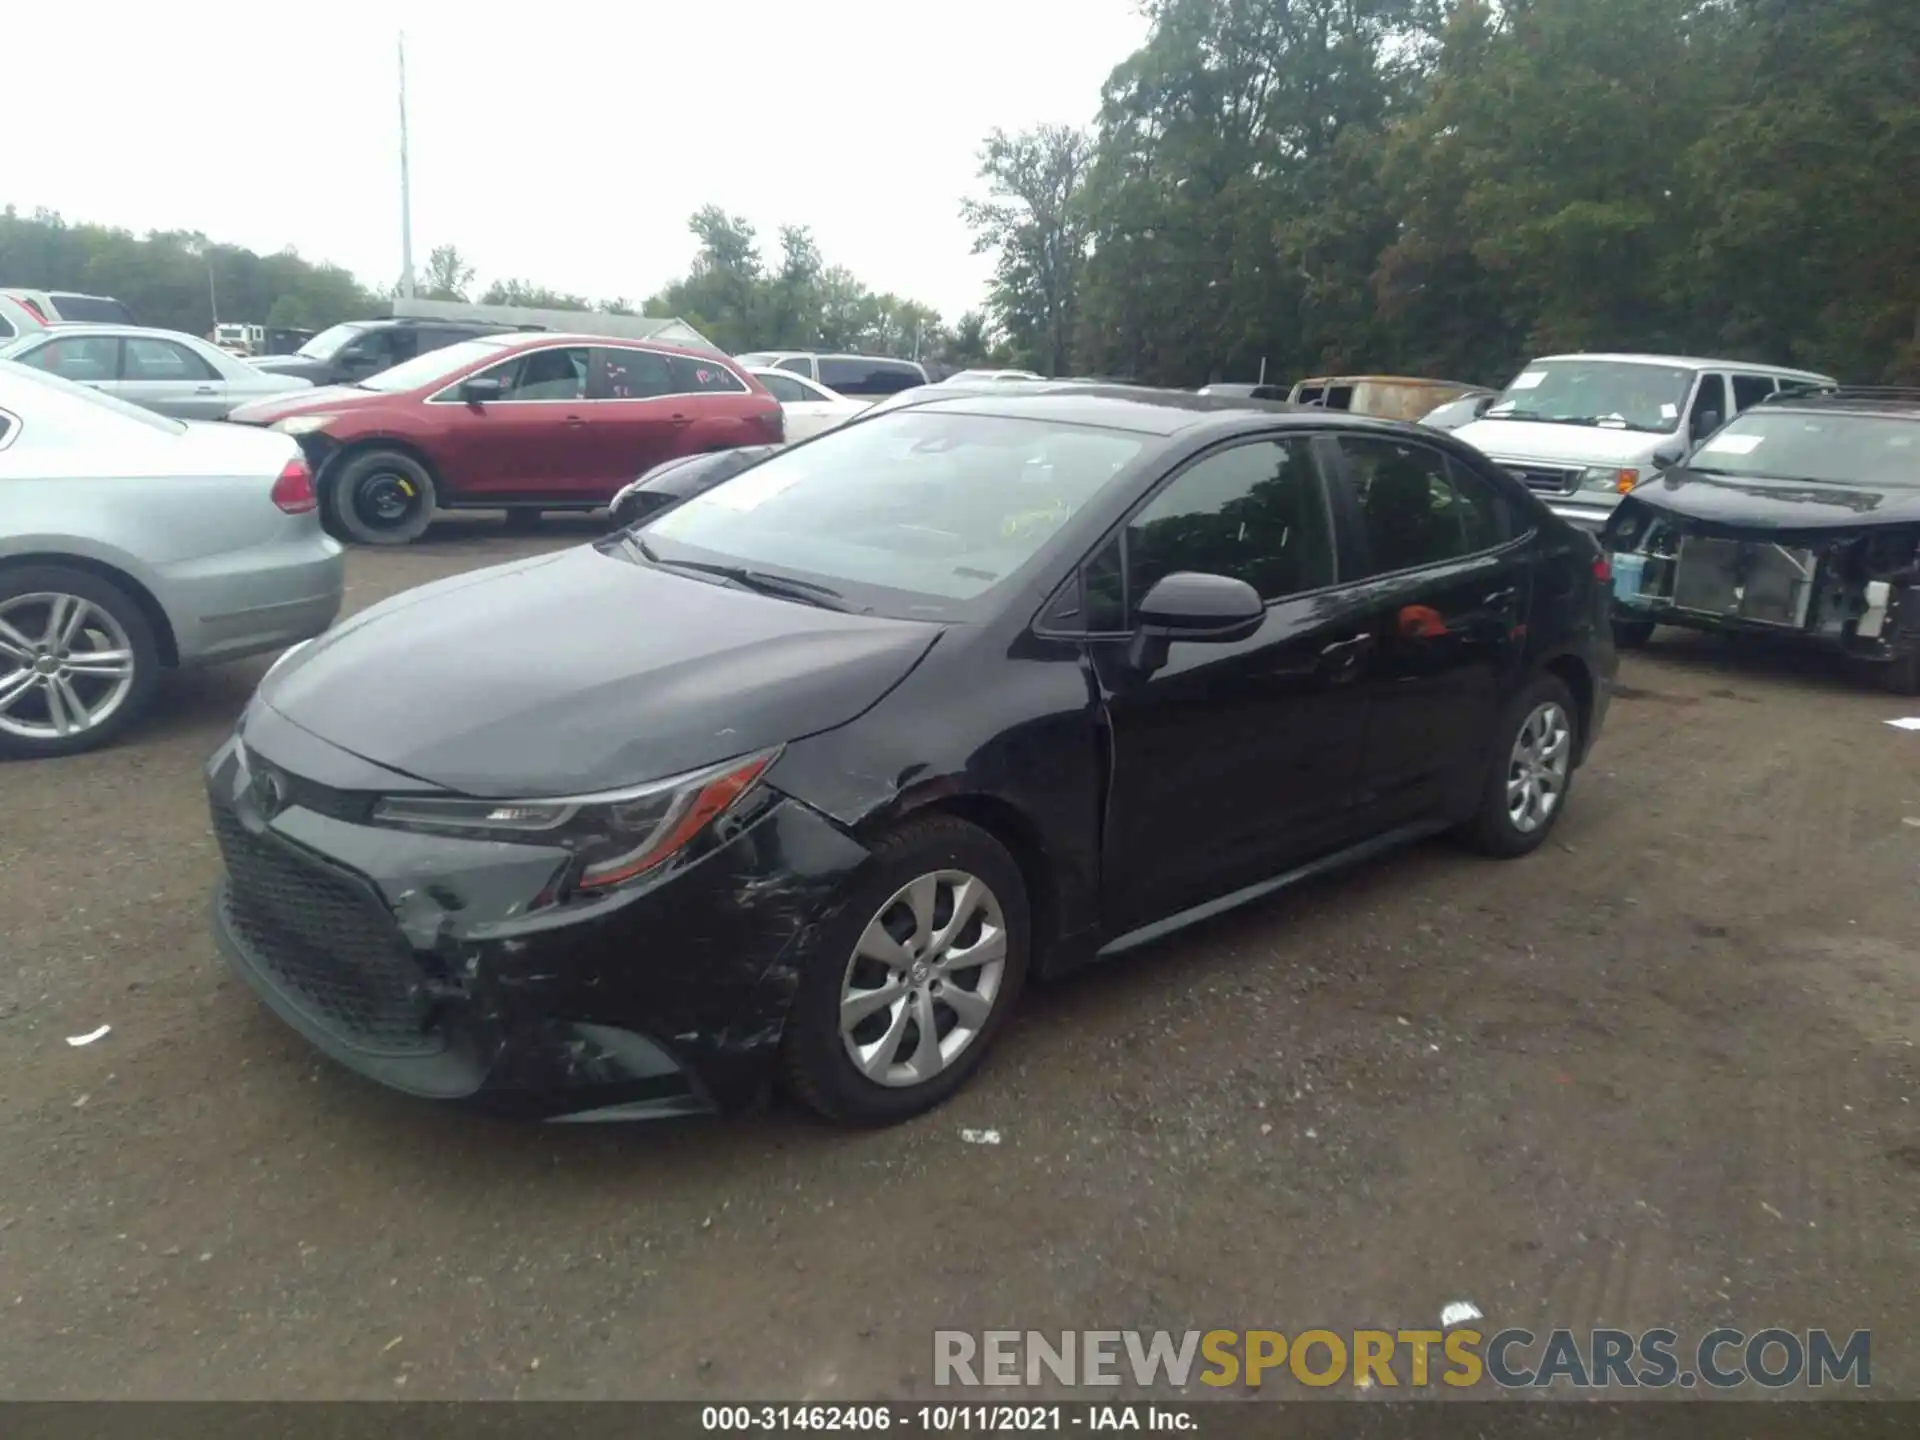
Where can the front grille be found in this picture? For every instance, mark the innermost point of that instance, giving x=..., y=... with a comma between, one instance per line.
x=331, y=946
x=1546, y=479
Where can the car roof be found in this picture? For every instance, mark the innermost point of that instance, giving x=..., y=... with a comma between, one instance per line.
x=535, y=339
x=1688, y=362
x=1423, y=381
x=59, y=328
x=1890, y=402
x=1136, y=408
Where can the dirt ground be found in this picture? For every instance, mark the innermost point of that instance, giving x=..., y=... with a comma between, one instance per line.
x=1661, y=1073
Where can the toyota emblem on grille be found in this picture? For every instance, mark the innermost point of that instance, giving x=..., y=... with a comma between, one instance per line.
x=268, y=793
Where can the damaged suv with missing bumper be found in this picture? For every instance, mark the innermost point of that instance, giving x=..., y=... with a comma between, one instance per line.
x=1802, y=517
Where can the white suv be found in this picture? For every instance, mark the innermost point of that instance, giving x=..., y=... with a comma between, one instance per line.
x=1582, y=430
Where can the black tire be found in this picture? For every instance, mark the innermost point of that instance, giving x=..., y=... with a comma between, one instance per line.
x=818, y=1066
x=1898, y=676
x=30, y=708
x=381, y=497
x=1631, y=634
x=523, y=522
x=1493, y=829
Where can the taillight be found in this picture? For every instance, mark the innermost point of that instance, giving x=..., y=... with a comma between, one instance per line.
x=1602, y=569
x=35, y=311
x=293, y=491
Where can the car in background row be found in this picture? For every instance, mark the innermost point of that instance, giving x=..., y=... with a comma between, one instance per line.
x=1799, y=519
x=1388, y=397
x=1582, y=430
x=1238, y=390
x=1456, y=414
x=868, y=375
x=811, y=408
x=967, y=377
x=50, y=307
x=348, y=353
x=524, y=422
x=131, y=543
x=829, y=760
x=163, y=370
x=667, y=485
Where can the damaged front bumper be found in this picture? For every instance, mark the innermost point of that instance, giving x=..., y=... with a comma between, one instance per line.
x=1855, y=591
x=443, y=967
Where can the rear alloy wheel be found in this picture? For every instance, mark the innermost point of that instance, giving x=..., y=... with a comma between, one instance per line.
x=382, y=497
x=78, y=662
x=1532, y=770
x=909, y=988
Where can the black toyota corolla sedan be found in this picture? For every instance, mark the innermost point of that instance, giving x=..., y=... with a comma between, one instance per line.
x=810, y=774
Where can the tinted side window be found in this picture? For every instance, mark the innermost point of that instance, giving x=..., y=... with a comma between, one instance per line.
x=702, y=377
x=149, y=359
x=787, y=392
x=94, y=309
x=799, y=364
x=82, y=358
x=634, y=374
x=7, y=332
x=6, y=428
x=849, y=377
x=1416, y=508
x=1711, y=397
x=1255, y=512
x=1750, y=390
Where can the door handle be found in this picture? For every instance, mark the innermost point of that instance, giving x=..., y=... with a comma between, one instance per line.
x=680, y=420
x=1501, y=597
x=575, y=422
x=1345, y=654
x=203, y=390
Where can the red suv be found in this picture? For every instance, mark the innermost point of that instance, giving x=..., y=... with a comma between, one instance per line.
x=520, y=422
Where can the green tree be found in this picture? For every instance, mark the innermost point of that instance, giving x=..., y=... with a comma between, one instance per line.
x=448, y=275
x=1035, y=226
x=527, y=295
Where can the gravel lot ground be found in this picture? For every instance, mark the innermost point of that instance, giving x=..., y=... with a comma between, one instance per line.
x=1661, y=1073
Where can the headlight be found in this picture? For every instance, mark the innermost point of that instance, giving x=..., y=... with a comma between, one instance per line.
x=615, y=836
x=302, y=424
x=1607, y=477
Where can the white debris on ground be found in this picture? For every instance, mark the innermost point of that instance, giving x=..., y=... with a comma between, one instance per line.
x=980, y=1137
x=90, y=1036
x=1906, y=722
x=1459, y=1313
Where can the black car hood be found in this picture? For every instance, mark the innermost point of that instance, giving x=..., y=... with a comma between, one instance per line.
x=1741, y=502
x=584, y=671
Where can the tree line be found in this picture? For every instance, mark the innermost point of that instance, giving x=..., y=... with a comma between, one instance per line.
x=181, y=280
x=1446, y=187
x=1434, y=187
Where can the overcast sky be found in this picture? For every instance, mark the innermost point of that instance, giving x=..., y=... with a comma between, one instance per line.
x=561, y=143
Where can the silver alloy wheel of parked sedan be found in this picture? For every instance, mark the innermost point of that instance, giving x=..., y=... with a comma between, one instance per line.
x=931, y=957
x=1537, y=770
x=66, y=665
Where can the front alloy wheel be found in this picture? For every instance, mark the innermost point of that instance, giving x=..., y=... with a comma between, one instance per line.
x=921, y=984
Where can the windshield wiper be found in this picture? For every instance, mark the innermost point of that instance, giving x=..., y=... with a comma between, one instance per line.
x=786, y=586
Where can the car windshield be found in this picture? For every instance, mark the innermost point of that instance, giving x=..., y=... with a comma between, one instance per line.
x=126, y=410
x=1620, y=394
x=435, y=365
x=937, y=508
x=1874, y=450
x=327, y=343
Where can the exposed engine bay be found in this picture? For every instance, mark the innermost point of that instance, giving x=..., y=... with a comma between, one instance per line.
x=1858, y=589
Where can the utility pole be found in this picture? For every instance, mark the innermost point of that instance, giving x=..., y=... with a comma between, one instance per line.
x=213, y=297
x=406, y=193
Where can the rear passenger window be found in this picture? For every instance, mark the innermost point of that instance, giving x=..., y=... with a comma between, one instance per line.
x=1750, y=390
x=702, y=377
x=799, y=364
x=1255, y=512
x=6, y=428
x=85, y=359
x=1417, y=507
x=633, y=374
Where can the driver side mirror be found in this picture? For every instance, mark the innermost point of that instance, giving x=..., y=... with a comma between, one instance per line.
x=481, y=388
x=1482, y=403
x=1667, y=456
x=1208, y=609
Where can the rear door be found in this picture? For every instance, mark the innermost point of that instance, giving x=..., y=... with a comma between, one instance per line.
x=166, y=376
x=808, y=411
x=1448, y=584
x=92, y=360
x=1231, y=762
x=638, y=416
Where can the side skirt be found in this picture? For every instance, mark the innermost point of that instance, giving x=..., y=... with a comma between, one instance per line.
x=1339, y=860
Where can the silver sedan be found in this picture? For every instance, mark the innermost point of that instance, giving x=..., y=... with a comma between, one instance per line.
x=163, y=370
x=131, y=543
